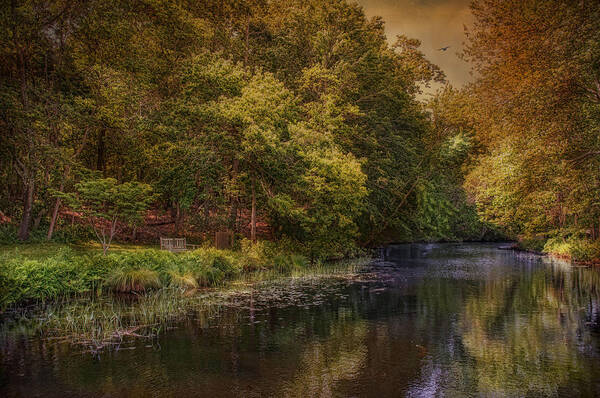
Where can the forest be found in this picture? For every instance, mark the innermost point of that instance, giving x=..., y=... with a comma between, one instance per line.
x=241, y=198
x=296, y=122
x=297, y=116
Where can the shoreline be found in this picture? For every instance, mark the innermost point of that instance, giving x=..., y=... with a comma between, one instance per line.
x=118, y=317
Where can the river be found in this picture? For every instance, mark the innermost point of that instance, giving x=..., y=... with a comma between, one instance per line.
x=425, y=320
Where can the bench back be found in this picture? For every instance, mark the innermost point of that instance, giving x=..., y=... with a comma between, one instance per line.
x=172, y=244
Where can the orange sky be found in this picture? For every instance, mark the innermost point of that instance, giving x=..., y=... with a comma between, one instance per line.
x=437, y=23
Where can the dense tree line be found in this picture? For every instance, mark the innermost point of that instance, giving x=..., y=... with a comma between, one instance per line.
x=298, y=113
x=533, y=115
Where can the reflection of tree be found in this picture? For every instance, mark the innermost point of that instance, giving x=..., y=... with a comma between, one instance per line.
x=523, y=334
x=325, y=363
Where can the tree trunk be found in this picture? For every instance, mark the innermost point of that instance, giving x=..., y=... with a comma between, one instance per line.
x=53, y=218
x=38, y=219
x=27, y=206
x=253, y=216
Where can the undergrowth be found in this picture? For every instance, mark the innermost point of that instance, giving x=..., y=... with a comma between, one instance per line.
x=573, y=245
x=68, y=272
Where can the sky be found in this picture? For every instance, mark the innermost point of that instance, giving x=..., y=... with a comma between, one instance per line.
x=437, y=23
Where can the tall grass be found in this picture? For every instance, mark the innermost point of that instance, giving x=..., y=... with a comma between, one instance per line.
x=125, y=280
x=67, y=272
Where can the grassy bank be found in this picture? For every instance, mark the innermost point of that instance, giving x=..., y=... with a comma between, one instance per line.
x=573, y=247
x=39, y=273
x=73, y=289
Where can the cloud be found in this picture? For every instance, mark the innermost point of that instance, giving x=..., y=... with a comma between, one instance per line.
x=437, y=23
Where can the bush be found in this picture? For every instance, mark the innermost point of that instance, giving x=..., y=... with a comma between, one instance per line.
x=253, y=255
x=8, y=234
x=25, y=280
x=183, y=280
x=286, y=263
x=74, y=233
x=575, y=247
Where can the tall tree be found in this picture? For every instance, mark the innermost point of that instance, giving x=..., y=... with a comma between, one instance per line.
x=536, y=116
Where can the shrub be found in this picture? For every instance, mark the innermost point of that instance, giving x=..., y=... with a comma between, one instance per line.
x=253, y=255
x=534, y=243
x=288, y=262
x=74, y=233
x=8, y=234
x=67, y=272
x=575, y=247
x=65, y=234
x=133, y=280
x=23, y=280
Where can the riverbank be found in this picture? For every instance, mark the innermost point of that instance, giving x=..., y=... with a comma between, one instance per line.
x=102, y=319
x=33, y=274
x=573, y=248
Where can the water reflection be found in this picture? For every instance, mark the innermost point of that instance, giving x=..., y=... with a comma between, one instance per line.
x=427, y=320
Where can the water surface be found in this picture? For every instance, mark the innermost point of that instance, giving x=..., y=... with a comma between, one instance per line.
x=428, y=320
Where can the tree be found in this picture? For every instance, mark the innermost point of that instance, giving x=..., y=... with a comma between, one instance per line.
x=535, y=108
x=104, y=203
x=231, y=110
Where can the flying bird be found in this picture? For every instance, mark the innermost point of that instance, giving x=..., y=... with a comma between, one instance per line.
x=443, y=48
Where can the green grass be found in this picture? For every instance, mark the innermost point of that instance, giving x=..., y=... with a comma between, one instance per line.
x=43, y=250
x=128, y=280
x=39, y=272
x=75, y=286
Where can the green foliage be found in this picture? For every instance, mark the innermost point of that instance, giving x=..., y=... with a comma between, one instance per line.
x=75, y=233
x=534, y=109
x=8, y=234
x=254, y=255
x=574, y=247
x=316, y=129
x=105, y=199
x=183, y=279
x=533, y=243
x=65, y=272
x=104, y=203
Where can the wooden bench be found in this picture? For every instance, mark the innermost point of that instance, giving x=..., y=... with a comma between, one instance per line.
x=176, y=245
